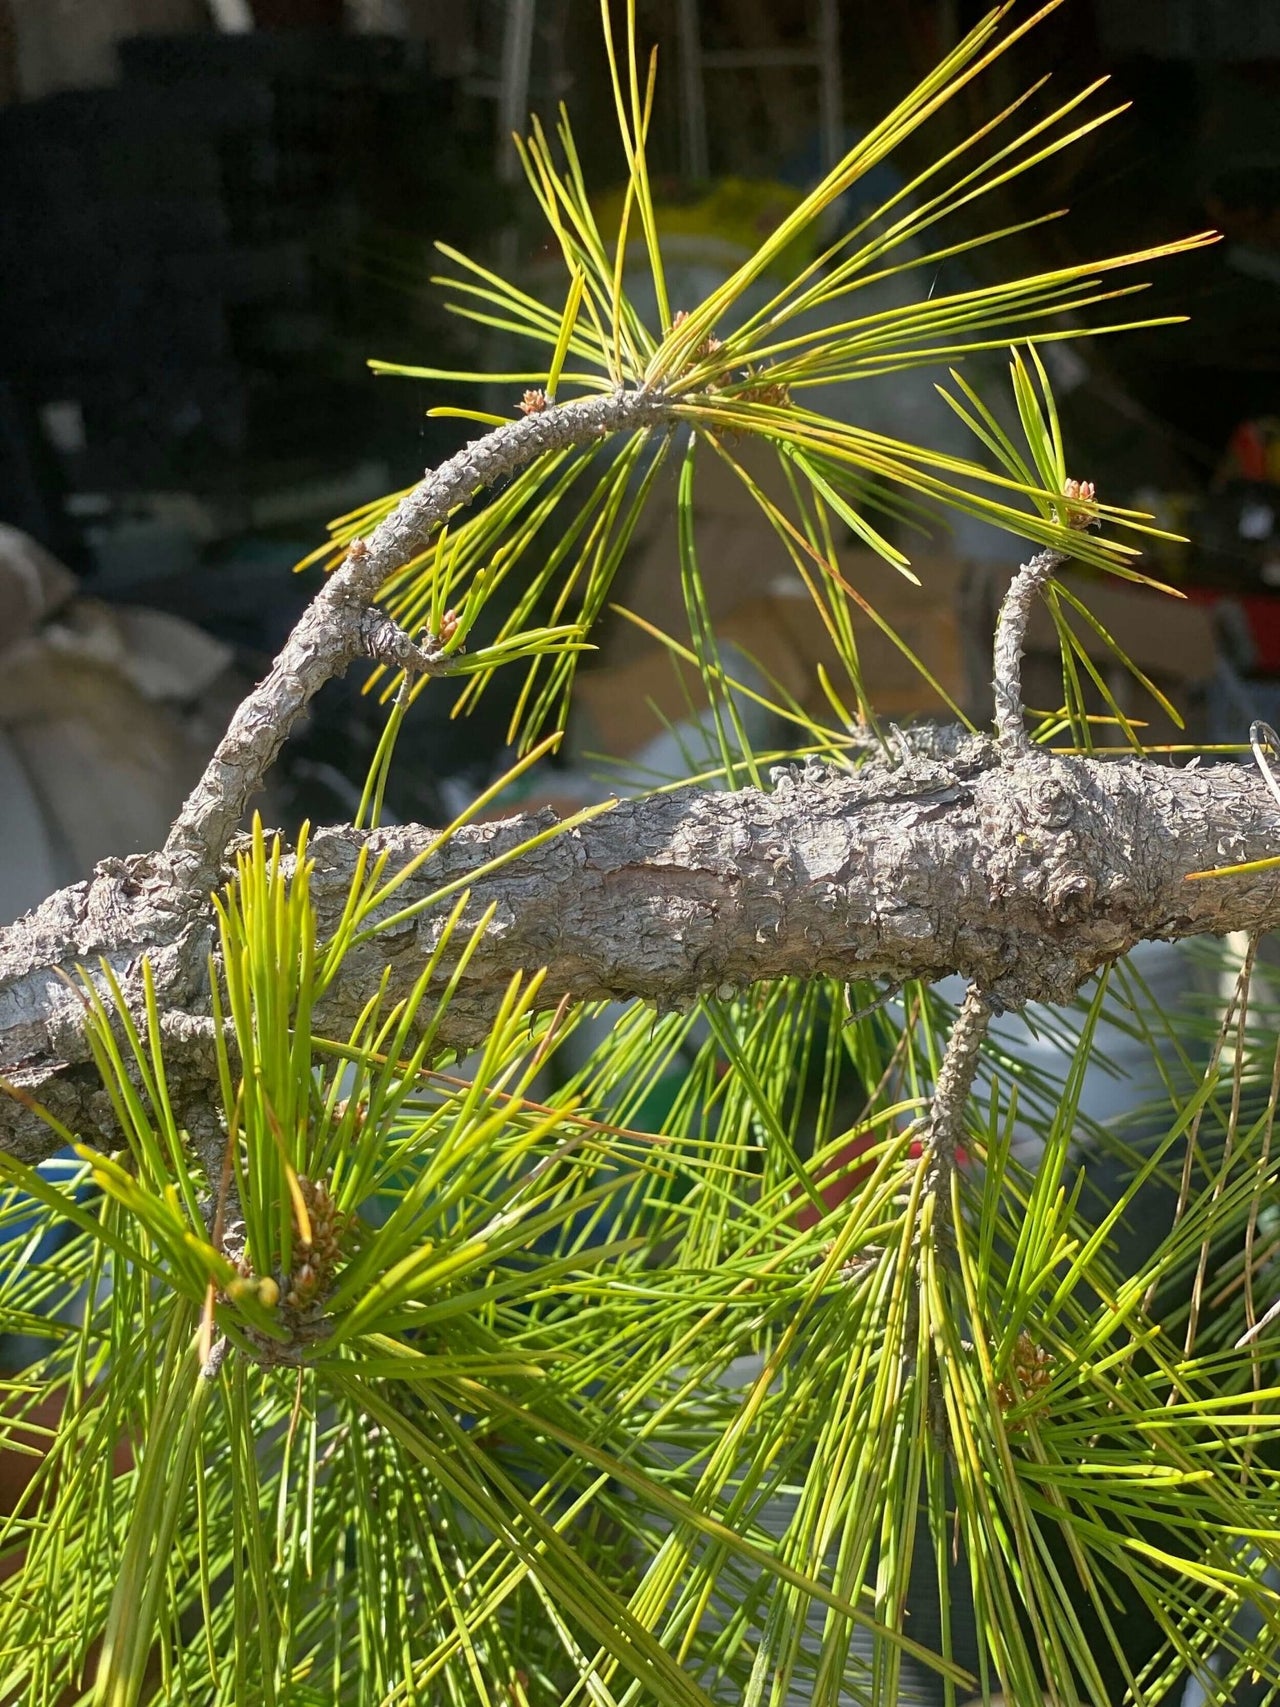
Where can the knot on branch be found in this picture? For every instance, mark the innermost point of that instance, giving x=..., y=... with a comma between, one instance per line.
x=379, y=638
x=1049, y=839
x=1049, y=801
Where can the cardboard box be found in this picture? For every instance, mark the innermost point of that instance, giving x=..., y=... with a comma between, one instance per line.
x=783, y=635
x=947, y=623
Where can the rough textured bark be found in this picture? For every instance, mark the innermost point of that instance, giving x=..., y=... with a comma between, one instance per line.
x=1011, y=633
x=1025, y=876
x=951, y=1097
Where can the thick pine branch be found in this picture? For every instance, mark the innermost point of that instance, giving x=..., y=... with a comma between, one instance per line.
x=1025, y=876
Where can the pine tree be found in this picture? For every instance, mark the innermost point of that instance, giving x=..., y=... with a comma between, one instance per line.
x=420, y=1358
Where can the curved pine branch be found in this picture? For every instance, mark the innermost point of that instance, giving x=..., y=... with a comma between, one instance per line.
x=335, y=628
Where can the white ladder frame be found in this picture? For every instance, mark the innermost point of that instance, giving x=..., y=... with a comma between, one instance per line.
x=823, y=56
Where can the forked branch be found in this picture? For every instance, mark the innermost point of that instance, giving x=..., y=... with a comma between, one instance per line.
x=338, y=626
x=960, y=1060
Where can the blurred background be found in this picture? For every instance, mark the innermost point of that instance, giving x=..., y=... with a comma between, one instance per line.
x=216, y=210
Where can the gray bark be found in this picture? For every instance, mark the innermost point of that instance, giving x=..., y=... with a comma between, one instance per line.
x=1011, y=633
x=1025, y=876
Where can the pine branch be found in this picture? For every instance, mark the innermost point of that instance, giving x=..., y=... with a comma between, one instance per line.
x=337, y=627
x=960, y=1062
x=1026, y=877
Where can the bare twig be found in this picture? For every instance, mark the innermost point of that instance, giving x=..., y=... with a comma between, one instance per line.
x=1191, y=1150
x=1010, y=643
x=335, y=629
x=950, y=1099
x=1015, y=616
x=1251, y=1257
x=852, y=1015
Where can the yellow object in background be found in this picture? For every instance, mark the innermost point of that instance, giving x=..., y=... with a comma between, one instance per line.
x=722, y=227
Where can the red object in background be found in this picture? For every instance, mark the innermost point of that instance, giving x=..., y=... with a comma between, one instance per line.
x=1263, y=615
x=1261, y=612
x=1253, y=452
x=837, y=1190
